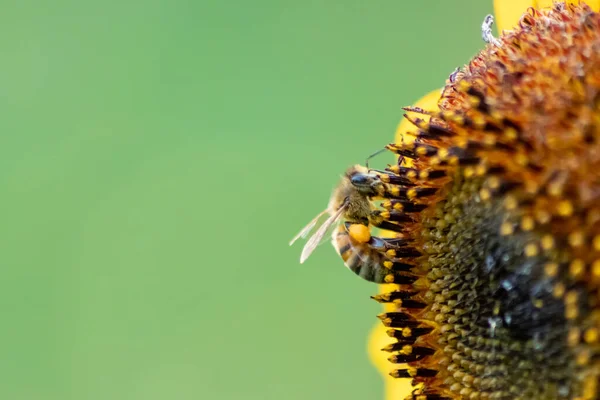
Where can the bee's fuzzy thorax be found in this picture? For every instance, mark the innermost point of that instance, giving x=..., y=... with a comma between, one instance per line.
x=503, y=193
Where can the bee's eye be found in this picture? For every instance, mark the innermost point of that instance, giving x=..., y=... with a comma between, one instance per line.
x=360, y=180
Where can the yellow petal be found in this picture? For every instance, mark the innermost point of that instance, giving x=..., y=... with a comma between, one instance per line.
x=395, y=389
x=542, y=3
x=595, y=4
x=508, y=12
x=429, y=103
x=548, y=3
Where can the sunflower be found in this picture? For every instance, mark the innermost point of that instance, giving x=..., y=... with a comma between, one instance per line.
x=511, y=276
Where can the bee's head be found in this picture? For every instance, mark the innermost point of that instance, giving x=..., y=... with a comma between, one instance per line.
x=357, y=183
x=363, y=180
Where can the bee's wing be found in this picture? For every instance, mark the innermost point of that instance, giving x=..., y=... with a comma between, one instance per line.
x=315, y=239
x=306, y=230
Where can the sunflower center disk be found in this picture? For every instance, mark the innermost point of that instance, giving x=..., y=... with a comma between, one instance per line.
x=503, y=193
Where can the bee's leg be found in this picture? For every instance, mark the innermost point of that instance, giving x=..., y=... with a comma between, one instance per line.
x=486, y=31
x=388, y=251
x=384, y=244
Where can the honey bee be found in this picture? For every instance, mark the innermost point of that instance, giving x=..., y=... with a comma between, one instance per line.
x=370, y=257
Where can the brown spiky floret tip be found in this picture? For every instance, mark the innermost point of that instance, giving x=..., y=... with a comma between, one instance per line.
x=504, y=191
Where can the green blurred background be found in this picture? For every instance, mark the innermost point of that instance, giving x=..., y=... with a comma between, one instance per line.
x=156, y=157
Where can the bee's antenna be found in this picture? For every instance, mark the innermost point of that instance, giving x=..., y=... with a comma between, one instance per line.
x=373, y=155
